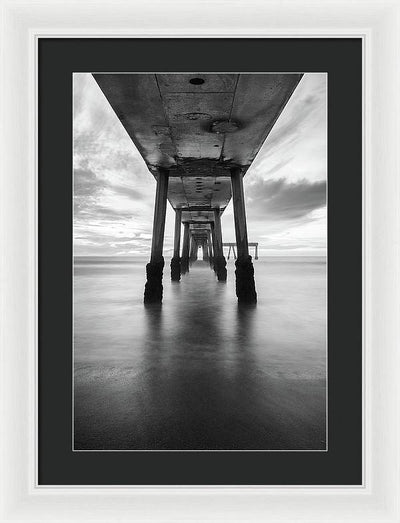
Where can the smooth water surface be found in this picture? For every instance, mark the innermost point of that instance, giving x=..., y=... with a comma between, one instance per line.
x=200, y=372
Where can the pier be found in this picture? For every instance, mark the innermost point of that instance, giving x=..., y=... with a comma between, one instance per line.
x=199, y=134
x=232, y=247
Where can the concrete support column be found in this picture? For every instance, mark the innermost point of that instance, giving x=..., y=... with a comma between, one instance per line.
x=210, y=250
x=153, y=290
x=206, y=254
x=191, y=246
x=185, y=249
x=245, y=285
x=209, y=241
x=204, y=246
x=213, y=245
x=219, y=259
x=193, y=250
x=176, y=260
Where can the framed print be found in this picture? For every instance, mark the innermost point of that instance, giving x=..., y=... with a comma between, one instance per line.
x=201, y=279
x=178, y=363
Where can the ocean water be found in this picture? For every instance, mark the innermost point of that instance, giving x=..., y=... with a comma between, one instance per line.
x=200, y=372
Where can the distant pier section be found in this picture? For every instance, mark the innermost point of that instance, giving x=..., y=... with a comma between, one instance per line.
x=232, y=247
x=199, y=134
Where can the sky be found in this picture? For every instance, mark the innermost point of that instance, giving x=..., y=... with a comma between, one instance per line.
x=285, y=188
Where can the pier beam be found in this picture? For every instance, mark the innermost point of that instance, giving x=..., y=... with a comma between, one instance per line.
x=219, y=259
x=176, y=260
x=185, y=249
x=245, y=285
x=153, y=290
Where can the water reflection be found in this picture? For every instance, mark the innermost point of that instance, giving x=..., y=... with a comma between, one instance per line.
x=200, y=371
x=245, y=314
x=153, y=317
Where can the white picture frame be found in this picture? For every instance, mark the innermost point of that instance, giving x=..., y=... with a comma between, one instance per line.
x=377, y=22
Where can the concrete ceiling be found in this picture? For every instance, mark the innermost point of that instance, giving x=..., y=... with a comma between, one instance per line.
x=198, y=126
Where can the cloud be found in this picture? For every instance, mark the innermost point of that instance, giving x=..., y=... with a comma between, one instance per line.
x=280, y=200
x=100, y=212
x=279, y=166
x=296, y=146
x=290, y=127
x=125, y=190
x=89, y=190
x=86, y=183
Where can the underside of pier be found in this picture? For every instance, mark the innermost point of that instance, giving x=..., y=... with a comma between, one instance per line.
x=198, y=134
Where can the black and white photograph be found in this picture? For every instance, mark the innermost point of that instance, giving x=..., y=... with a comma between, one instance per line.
x=200, y=291
x=200, y=261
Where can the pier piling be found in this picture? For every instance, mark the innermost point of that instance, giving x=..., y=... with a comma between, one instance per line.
x=210, y=248
x=176, y=261
x=185, y=249
x=153, y=290
x=219, y=259
x=245, y=285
